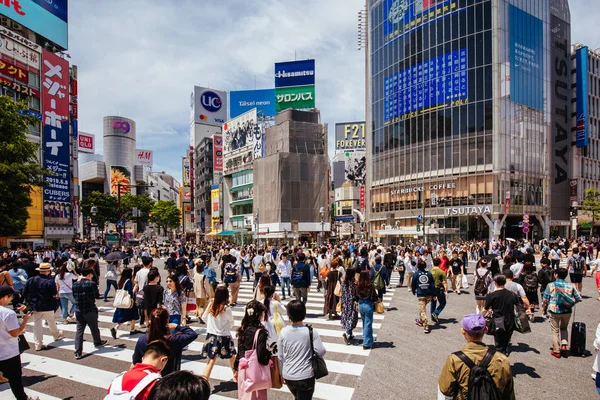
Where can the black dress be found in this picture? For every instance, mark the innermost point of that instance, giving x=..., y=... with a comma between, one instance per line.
x=331, y=299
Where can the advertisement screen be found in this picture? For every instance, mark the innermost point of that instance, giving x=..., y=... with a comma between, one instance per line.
x=402, y=16
x=583, y=116
x=120, y=179
x=242, y=142
x=295, y=73
x=185, y=171
x=47, y=18
x=208, y=106
x=296, y=97
x=526, y=59
x=242, y=101
x=419, y=88
x=217, y=153
x=215, y=195
x=56, y=149
x=86, y=142
x=350, y=136
x=144, y=157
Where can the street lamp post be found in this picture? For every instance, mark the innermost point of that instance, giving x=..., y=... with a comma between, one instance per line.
x=93, y=211
x=322, y=214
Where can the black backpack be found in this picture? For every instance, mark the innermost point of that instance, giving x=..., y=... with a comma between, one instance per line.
x=481, y=287
x=530, y=282
x=481, y=384
x=577, y=264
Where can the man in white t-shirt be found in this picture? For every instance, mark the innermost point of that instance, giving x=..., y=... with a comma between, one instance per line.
x=555, y=256
x=141, y=280
x=515, y=287
x=10, y=329
x=517, y=267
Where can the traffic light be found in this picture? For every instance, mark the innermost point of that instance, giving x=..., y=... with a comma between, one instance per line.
x=418, y=228
x=573, y=212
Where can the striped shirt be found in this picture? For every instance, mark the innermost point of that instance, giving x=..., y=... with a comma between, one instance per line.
x=557, y=291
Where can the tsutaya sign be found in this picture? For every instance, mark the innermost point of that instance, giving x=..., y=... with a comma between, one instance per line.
x=469, y=210
x=432, y=187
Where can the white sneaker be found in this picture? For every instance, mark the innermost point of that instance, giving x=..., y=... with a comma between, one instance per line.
x=593, y=375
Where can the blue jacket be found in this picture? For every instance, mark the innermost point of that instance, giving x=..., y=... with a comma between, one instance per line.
x=210, y=274
x=40, y=291
x=181, y=337
x=423, y=284
x=304, y=282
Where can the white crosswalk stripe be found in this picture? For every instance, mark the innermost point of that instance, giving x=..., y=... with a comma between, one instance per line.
x=342, y=360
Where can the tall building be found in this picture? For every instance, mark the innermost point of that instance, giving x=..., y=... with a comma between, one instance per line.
x=585, y=167
x=468, y=127
x=204, y=179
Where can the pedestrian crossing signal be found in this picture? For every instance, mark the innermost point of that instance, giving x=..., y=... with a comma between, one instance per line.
x=418, y=228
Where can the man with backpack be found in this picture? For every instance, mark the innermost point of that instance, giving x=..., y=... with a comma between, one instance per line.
x=477, y=371
x=141, y=378
x=577, y=268
x=378, y=275
x=301, y=279
x=423, y=286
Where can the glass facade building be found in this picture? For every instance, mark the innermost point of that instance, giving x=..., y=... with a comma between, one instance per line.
x=460, y=118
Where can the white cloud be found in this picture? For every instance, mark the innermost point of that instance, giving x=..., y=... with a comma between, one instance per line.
x=140, y=59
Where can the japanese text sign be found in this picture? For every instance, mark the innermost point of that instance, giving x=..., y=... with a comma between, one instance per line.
x=17, y=73
x=218, y=153
x=12, y=47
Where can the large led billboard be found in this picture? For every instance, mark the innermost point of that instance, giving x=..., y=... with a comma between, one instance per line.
x=526, y=59
x=48, y=18
x=402, y=16
x=241, y=101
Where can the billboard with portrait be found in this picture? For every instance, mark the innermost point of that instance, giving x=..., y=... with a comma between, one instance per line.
x=120, y=180
x=49, y=19
x=242, y=142
x=241, y=101
x=185, y=171
x=208, y=106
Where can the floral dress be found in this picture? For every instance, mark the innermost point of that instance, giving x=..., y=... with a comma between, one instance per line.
x=349, y=314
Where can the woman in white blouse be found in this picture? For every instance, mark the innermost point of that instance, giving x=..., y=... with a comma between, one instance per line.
x=275, y=315
x=64, y=284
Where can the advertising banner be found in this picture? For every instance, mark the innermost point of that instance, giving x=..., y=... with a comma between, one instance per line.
x=86, y=143
x=17, y=47
x=18, y=87
x=573, y=194
x=120, y=179
x=263, y=100
x=403, y=16
x=217, y=153
x=362, y=197
x=350, y=136
x=144, y=157
x=526, y=59
x=215, y=195
x=185, y=171
x=356, y=166
x=74, y=103
x=17, y=73
x=583, y=116
x=295, y=97
x=208, y=106
x=240, y=137
x=56, y=149
x=294, y=73
x=47, y=18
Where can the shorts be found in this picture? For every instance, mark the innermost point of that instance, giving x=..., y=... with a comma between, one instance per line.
x=576, y=278
x=218, y=346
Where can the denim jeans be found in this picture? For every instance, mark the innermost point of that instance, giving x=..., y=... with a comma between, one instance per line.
x=365, y=308
x=64, y=304
x=109, y=283
x=441, y=297
x=286, y=282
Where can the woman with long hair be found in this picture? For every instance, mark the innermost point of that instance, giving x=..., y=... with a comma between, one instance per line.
x=530, y=284
x=264, y=281
x=175, y=302
x=366, y=295
x=123, y=315
x=64, y=285
x=481, y=273
x=251, y=335
x=177, y=338
x=331, y=300
x=219, y=322
x=245, y=260
x=349, y=314
x=273, y=320
x=400, y=268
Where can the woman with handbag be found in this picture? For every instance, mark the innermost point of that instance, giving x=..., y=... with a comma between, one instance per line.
x=123, y=315
x=10, y=330
x=331, y=294
x=252, y=370
x=349, y=314
x=273, y=320
x=64, y=284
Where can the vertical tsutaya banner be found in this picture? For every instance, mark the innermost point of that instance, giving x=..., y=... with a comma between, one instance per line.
x=57, y=155
x=217, y=153
x=583, y=116
x=185, y=171
x=526, y=59
x=120, y=178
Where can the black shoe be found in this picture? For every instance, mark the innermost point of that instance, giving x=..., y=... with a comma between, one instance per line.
x=113, y=333
x=135, y=332
x=366, y=348
x=78, y=356
x=201, y=321
x=435, y=318
x=101, y=344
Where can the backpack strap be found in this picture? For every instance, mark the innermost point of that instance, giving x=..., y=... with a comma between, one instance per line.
x=485, y=361
x=463, y=357
x=141, y=385
x=117, y=384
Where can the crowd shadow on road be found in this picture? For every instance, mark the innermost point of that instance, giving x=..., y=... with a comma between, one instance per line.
x=444, y=322
x=224, y=387
x=523, y=348
x=522, y=369
x=383, y=345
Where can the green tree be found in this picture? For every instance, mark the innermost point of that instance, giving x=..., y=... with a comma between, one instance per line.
x=591, y=205
x=143, y=203
x=106, y=205
x=166, y=215
x=20, y=169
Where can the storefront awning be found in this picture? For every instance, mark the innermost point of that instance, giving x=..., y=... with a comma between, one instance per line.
x=409, y=231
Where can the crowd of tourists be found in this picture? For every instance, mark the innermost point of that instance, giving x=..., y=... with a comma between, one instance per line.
x=273, y=346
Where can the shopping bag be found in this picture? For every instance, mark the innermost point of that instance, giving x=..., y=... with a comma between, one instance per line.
x=191, y=301
x=378, y=307
x=276, y=377
x=521, y=319
x=465, y=282
x=338, y=307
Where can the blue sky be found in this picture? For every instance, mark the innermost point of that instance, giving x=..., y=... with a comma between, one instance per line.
x=141, y=58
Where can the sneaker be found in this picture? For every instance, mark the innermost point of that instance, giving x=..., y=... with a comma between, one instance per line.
x=557, y=355
x=101, y=344
x=78, y=356
x=201, y=321
x=113, y=332
x=426, y=330
x=409, y=289
x=418, y=322
x=60, y=336
x=40, y=348
x=346, y=339
x=435, y=318
x=593, y=375
x=135, y=332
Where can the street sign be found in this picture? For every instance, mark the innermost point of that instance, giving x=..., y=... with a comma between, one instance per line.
x=525, y=217
x=520, y=224
x=525, y=230
x=525, y=224
x=420, y=217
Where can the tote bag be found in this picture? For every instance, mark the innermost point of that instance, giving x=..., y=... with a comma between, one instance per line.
x=255, y=375
x=123, y=298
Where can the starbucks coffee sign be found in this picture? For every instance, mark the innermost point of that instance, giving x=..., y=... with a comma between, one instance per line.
x=468, y=210
x=434, y=187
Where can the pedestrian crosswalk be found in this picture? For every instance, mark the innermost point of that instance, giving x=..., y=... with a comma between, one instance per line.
x=53, y=373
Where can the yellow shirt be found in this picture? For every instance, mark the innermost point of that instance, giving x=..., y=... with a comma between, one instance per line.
x=454, y=377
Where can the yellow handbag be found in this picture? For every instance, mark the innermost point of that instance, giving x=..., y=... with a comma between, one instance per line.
x=379, y=308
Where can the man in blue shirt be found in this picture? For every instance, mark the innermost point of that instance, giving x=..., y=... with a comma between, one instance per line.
x=423, y=286
x=301, y=278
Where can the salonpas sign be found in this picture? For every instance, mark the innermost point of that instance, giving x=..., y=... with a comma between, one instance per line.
x=296, y=97
x=468, y=210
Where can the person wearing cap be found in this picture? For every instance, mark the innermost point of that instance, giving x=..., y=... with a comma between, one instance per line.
x=10, y=329
x=454, y=377
x=41, y=294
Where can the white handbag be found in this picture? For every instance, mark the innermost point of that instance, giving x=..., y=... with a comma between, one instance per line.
x=123, y=298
